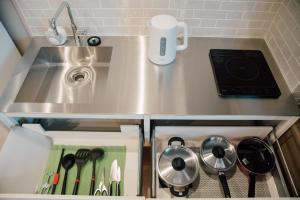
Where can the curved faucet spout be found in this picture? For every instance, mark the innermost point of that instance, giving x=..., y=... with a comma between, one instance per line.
x=52, y=21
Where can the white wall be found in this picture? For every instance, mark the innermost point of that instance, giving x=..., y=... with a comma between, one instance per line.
x=283, y=39
x=226, y=18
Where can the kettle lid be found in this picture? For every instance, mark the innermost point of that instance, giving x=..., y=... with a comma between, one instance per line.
x=163, y=21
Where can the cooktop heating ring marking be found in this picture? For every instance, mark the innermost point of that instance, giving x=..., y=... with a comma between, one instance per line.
x=245, y=70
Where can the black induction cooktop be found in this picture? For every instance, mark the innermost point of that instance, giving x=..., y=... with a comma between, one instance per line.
x=243, y=73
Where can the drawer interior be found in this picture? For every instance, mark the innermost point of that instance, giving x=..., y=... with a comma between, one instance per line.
x=102, y=168
x=207, y=185
x=24, y=155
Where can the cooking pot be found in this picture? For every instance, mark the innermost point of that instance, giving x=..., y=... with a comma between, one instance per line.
x=218, y=156
x=178, y=167
x=256, y=158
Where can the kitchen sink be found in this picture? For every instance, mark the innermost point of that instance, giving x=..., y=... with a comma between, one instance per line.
x=67, y=75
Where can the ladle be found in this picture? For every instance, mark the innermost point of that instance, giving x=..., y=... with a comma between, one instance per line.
x=94, y=155
x=67, y=163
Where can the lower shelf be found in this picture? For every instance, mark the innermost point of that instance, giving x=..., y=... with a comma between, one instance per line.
x=207, y=185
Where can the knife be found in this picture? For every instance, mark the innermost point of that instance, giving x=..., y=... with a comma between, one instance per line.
x=113, y=175
x=118, y=181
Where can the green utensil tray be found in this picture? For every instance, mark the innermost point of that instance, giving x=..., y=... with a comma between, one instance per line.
x=110, y=153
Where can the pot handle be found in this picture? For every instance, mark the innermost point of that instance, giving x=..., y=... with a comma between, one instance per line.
x=179, y=194
x=251, y=190
x=176, y=139
x=224, y=183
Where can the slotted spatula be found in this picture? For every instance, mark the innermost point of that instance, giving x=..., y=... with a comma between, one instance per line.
x=81, y=157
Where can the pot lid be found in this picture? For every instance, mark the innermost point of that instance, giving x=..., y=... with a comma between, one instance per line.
x=218, y=153
x=178, y=166
x=255, y=155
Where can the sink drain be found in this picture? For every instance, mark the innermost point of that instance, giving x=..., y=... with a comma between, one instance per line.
x=78, y=76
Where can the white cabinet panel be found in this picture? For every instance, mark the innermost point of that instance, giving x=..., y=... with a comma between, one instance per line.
x=9, y=57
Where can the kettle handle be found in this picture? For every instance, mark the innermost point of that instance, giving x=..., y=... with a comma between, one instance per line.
x=185, y=36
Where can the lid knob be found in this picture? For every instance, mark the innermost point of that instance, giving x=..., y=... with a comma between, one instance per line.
x=178, y=164
x=218, y=152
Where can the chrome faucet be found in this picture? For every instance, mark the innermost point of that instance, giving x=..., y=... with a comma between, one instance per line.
x=52, y=21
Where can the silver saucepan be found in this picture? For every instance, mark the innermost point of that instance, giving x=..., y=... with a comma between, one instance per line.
x=178, y=167
x=218, y=156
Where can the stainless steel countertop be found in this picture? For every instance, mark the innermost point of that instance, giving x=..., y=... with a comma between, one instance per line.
x=137, y=87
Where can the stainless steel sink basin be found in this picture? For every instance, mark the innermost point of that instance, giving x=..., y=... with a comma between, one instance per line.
x=66, y=75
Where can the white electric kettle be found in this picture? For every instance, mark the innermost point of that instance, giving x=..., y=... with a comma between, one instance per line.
x=163, y=39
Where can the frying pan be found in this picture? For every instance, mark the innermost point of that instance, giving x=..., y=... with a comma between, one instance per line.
x=256, y=158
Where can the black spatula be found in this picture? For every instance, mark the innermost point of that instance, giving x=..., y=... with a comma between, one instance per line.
x=81, y=156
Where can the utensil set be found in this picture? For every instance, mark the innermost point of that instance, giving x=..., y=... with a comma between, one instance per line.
x=79, y=159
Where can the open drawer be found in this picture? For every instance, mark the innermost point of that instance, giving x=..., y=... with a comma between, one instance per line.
x=24, y=158
x=207, y=185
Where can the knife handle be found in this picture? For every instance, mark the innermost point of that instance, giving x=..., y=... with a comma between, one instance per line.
x=110, y=189
x=118, y=189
